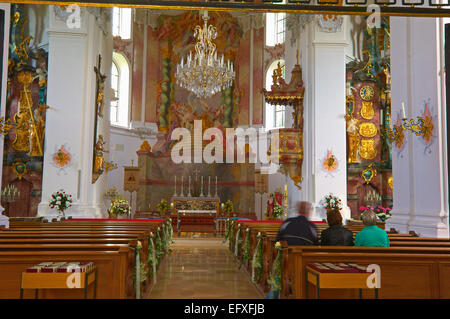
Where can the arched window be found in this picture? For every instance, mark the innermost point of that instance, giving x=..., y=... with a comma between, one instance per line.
x=274, y=114
x=122, y=22
x=120, y=84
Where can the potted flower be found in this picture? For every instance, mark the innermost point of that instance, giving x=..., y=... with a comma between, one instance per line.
x=162, y=207
x=331, y=202
x=119, y=208
x=383, y=213
x=278, y=211
x=228, y=207
x=61, y=201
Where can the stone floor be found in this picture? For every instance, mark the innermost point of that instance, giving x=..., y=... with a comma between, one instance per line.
x=202, y=268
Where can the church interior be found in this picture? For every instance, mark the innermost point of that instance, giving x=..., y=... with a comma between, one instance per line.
x=165, y=148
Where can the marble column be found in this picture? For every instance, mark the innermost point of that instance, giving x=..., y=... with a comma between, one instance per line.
x=419, y=168
x=323, y=65
x=73, y=52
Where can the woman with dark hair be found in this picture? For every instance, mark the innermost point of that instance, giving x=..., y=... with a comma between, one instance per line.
x=336, y=234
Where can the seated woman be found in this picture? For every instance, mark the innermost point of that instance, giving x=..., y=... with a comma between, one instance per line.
x=336, y=234
x=371, y=235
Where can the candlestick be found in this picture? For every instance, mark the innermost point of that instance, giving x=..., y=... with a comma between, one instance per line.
x=175, y=192
x=189, y=189
x=209, y=186
x=216, y=186
x=201, y=188
x=403, y=109
x=182, y=182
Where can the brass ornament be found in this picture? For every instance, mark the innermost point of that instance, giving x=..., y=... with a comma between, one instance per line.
x=367, y=129
x=19, y=168
x=368, y=173
x=366, y=92
x=367, y=149
x=390, y=182
x=367, y=111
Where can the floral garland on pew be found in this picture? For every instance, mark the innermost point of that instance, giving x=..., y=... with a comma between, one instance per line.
x=159, y=247
x=231, y=235
x=169, y=225
x=246, y=248
x=257, y=261
x=151, y=258
x=238, y=241
x=275, y=276
x=227, y=229
x=140, y=271
x=165, y=238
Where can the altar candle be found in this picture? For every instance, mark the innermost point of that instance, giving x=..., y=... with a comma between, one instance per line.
x=216, y=185
x=182, y=182
x=175, y=184
x=381, y=116
x=209, y=185
x=403, y=109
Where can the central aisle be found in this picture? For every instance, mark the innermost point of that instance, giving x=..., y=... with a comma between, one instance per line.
x=202, y=268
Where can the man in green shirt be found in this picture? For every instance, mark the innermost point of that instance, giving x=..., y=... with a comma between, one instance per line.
x=371, y=235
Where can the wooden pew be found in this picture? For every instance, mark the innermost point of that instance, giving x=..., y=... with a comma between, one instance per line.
x=114, y=235
x=114, y=263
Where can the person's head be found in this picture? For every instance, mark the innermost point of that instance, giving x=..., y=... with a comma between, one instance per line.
x=334, y=217
x=304, y=209
x=369, y=218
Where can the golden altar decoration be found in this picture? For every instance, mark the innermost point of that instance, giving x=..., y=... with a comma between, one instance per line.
x=290, y=144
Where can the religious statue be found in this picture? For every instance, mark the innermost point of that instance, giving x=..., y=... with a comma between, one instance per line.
x=99, y=165
x=100, y=100
x=354, y=139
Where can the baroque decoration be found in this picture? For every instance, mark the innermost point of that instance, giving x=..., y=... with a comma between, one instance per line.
x=61, y=158
x=368, y=173
x=205, y=74
x=330, y=163
x=290, y=148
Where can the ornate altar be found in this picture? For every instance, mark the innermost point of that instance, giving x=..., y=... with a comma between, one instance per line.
x=290, y=144
x=197, y=212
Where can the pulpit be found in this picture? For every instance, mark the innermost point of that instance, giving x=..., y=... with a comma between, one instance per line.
x=195, y=213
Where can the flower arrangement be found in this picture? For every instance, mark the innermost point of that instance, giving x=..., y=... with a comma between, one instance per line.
x=119, y=206
x=163, y=206
x=228, y=207
x=278, y=211
x=61, y=201
x=331, y=202
x=383, y=213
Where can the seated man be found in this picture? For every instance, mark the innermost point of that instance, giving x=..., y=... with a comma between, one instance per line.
x=336, y=234
x=299, y=231
x=371, y=235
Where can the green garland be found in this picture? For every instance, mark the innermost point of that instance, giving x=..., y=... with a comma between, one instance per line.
x=246, y=248
x=142, y=270
x=275, y=276
x=227, y=229
x=151, y=258
x=231, y=237
x=159, y=246
x=165, y=238
x=170, y=232
x=238, y=241
x=257, y=261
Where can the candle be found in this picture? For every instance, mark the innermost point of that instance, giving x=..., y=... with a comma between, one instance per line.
x=209, y=186
x=381, y=116
x=175, y=185
x=403, y=109
x=182, y=182
x=216, y=185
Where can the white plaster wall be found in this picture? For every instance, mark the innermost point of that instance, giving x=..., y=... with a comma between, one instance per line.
x=123, y=148
x=419, y=172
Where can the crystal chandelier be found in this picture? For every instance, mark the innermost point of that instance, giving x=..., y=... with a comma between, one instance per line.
x=205, y=74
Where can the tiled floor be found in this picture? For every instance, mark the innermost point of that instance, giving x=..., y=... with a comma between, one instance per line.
x=202, y=268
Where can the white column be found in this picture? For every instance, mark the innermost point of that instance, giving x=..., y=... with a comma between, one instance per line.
x=419, y=170
x=323, y=63
x=73, y=52
x=6, y=8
